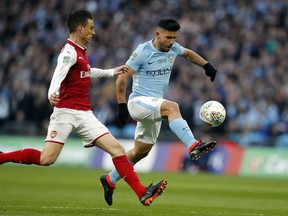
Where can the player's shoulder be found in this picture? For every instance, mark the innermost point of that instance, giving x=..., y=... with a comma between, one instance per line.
x=145, y=47
x=68, y=54
x=68, y=49
x=176, y=46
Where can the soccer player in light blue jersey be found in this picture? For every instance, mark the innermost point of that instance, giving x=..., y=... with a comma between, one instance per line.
x=150, y=67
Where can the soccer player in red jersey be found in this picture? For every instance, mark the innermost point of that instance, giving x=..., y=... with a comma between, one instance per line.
x=68, y=92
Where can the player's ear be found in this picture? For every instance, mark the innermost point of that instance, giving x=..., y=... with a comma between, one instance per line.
x=80, y=29
x=157, y=34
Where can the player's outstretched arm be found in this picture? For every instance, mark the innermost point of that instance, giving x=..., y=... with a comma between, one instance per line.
x=97, y=72
x=120, y=70
x=193, y=57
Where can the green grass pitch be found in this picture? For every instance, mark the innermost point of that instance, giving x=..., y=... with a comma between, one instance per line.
x=32, y=190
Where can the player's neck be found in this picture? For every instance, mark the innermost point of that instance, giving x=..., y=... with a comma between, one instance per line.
x=155, y=44
x=77, y=40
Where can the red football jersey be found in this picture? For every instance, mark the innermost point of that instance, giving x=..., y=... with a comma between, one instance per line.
x=71, y=78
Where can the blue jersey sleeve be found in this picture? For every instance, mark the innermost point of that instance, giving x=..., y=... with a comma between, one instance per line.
x=137, y=58
x=178, y=48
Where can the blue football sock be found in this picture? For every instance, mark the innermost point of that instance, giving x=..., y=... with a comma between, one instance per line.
x=114, y=175
x=180, y=127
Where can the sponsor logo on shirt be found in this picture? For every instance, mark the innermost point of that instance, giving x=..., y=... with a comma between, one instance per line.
x=84, y=74
x=160, y=72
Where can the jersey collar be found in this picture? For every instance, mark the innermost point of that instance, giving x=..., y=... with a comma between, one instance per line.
x=76, y=45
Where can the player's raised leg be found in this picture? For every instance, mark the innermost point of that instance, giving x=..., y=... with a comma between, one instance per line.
x=182, y=130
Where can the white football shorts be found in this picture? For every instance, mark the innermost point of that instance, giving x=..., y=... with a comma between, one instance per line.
x=146, y=111
x=63, y=121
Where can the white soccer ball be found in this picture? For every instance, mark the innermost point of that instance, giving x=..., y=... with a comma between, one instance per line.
x=212, y=113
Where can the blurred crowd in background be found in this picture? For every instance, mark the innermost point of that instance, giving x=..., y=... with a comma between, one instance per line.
x=247, y=41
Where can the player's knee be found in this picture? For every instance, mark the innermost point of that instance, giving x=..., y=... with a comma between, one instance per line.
x=117, y=150
x=47, y=160
x=170, y=108
x=173, y=107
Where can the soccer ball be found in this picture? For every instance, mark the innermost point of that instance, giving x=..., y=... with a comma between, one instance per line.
x=212, y=113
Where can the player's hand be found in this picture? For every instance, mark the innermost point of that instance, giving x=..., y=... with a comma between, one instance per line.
x=54, y=98
x=210, y=71
x=120, y=70
x=123, y=114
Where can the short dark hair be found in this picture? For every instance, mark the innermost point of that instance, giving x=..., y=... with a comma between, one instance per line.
x=169, y=24
x=76, y=18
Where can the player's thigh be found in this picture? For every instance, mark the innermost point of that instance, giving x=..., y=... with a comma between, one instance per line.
x=50, y=153
x=90, y=129
x=110, y=145
x=139, y=151
x=147, y=131
x=145, y=108
x=61, y=124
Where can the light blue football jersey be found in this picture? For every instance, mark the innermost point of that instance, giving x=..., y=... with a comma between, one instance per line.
x=152, y=69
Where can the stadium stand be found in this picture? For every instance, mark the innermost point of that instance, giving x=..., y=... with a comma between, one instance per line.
x=245, y=40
